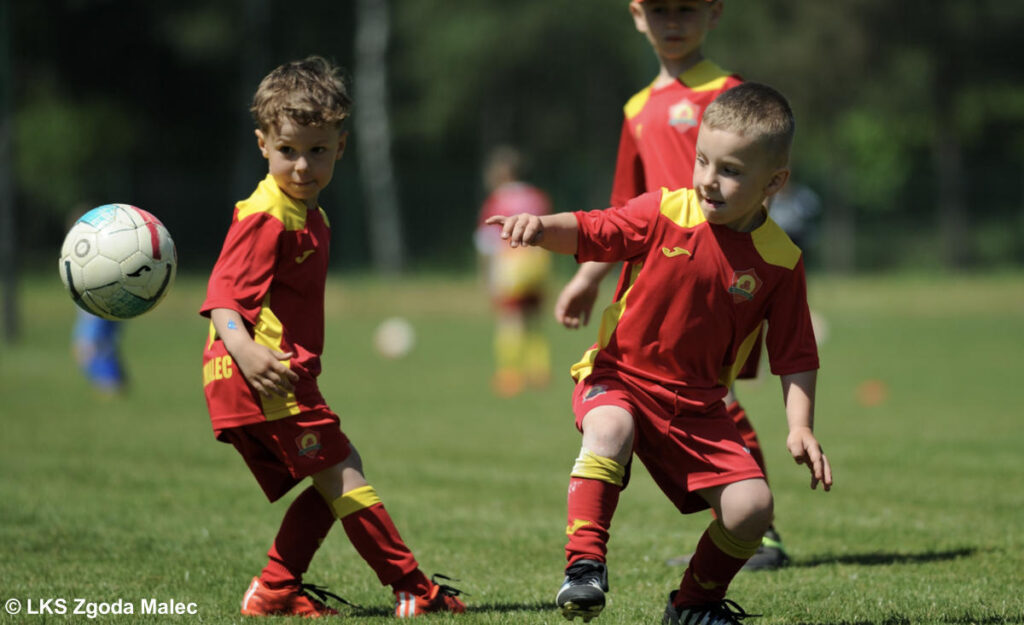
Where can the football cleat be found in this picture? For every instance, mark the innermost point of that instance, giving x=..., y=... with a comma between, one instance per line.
x=770, y=554
x=582, y=592
x=441, y=598
x=260, y=600
x=724, y=612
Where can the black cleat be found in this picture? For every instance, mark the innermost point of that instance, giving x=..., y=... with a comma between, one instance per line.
x=582, y=592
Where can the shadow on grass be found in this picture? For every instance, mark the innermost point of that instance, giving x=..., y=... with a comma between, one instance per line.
x=965, y=619
x=536, y=606
x=878, y=559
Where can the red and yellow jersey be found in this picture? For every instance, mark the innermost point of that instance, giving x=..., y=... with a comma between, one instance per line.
x=271, y=270
x=659, y=131
x=694, y=298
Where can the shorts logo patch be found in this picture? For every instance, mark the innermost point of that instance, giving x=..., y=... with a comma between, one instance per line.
x=308, y=443
x=594, y=391
x=744, y=284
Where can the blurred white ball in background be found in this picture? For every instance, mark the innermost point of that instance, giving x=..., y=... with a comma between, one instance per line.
x=394, y=338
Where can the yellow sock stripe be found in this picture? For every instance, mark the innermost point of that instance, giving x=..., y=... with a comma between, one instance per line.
x=739, y=549
x=354, y=501
x=591, y=466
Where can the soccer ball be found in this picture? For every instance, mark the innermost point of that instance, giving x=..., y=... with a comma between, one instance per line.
x=394, y=338
x=118, y=261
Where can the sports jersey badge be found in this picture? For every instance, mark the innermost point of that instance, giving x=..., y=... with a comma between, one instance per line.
x=744, y=284
x=683, y=115
x=594, y=391
x=308, y=443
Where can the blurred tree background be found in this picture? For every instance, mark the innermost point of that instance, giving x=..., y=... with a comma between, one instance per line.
x=910, y=115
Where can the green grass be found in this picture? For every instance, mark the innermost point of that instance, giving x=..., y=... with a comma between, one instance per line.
x=132, y=498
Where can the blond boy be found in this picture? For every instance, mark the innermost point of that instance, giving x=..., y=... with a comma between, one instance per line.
x=706, y=267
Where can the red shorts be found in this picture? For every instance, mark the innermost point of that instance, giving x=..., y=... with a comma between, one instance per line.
x=683, y=450
x=283, y=452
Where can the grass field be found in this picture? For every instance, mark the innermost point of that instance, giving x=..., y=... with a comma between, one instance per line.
x=132, y=498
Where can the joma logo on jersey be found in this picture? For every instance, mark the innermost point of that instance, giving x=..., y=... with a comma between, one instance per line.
x=744, y=284
x=675, y=252
x=683, y=113
x=308, y=443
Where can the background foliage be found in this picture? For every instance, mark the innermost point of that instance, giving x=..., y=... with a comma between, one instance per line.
x=910, y=114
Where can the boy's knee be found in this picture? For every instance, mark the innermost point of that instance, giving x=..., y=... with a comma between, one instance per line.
x=749, y=505
x=608, y=431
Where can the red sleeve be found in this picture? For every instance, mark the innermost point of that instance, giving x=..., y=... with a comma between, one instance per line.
x=790, y=337
x=620, y=232
x=245, y=269
x=629, y=179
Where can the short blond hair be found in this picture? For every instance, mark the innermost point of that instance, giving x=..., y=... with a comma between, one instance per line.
x=310, y=92
x=754, y=109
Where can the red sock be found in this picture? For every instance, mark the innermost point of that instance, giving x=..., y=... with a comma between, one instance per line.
x=591, y=506
x=718, y=558
x=746, y=428
x=304, y=527
x=374, y=535
x=415, y=582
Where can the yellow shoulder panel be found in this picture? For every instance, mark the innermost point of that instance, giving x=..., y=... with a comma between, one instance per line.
x=704, y=76
x=681, y=207
x=637, y=102
x=268, y=198
x=775, y=246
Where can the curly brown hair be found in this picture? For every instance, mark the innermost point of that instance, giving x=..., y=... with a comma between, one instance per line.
x=310, y=92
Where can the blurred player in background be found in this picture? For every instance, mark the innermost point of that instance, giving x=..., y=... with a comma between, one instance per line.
x=656, y=150
x=516, y=278
x=796, y=209
x=96, y=344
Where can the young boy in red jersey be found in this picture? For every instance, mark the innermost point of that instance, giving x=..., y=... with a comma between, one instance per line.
x=706, y=267
x=265, y=300
x=516, y=278
x=656, y=150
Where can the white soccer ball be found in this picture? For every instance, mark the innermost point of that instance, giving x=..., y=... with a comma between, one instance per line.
x=118, y=261
x=394, y=338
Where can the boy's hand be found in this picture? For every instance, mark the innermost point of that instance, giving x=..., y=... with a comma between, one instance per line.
x=520, y=230
x=806, y=450
x=263, y=369
x=572, y=309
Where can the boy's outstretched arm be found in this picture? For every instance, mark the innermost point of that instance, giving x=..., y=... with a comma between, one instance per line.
x=260, y=365
x=556, y=232
x=798, y=394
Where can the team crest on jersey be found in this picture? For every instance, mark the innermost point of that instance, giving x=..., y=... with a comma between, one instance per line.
x=308, y=443
x=744, y=284
x=594, y=391
x=683, y=113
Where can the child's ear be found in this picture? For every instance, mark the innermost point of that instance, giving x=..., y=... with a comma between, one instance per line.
x=716, y=13
x=639, y=19
x=261, y=141
x=777, y=181
x=342, y=141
